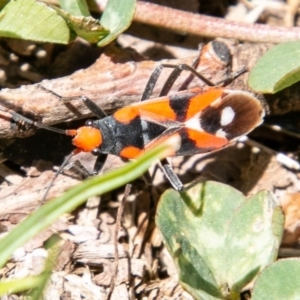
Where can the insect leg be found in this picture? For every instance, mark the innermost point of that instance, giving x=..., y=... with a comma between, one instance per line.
x=99, y=163
x=171, y=175
x=166, y=166
x=94, y=108
x=77, y=165
x=171, y=79
x=232, y=76
x=175, y=74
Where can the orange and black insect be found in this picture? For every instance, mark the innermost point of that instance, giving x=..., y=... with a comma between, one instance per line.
x=202, y=119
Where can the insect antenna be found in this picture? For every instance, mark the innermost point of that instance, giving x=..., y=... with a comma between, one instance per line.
x=93, y=107
x=17, y=118
x=61, y=168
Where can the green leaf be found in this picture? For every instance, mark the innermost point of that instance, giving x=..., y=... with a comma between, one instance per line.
x=31, y=20
x=116, y=17
x=74, y=197
x=75, y=7
x=279, y=281
x=87, y=28
x=3, y=3
x=219, y=240
x=277, y=69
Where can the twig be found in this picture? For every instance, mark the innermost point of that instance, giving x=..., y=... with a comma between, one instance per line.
x=117, y=229
x=201, y=25
x=116, y=79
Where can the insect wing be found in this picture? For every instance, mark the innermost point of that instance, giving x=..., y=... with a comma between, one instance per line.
x=205, y=119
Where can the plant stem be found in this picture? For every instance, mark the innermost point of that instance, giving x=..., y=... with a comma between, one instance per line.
x=201, y=25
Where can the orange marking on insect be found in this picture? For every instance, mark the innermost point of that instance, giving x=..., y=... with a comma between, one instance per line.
x=206, y=140
x=131, y=152
x=86, y=138
x=202, y=100
x=127, y=114
x=159, y=108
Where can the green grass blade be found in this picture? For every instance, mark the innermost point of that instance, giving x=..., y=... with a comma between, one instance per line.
x=71, y=199
x=16, y=286
x=53, y=250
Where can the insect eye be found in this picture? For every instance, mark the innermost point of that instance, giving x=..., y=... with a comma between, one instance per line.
x=89, y=123
x=96, y=152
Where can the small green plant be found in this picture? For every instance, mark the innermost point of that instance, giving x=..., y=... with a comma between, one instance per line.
x=277, y=69
x=220, y=241
x=278, y=281
x=36, y=21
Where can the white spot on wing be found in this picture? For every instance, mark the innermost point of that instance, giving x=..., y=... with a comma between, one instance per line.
x=144, y=125
x=174, y=141
x=194, y=123
x=227, y=116
x=221, y=133
x=145, y=128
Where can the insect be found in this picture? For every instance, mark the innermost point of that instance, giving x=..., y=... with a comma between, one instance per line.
x=202, y=119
